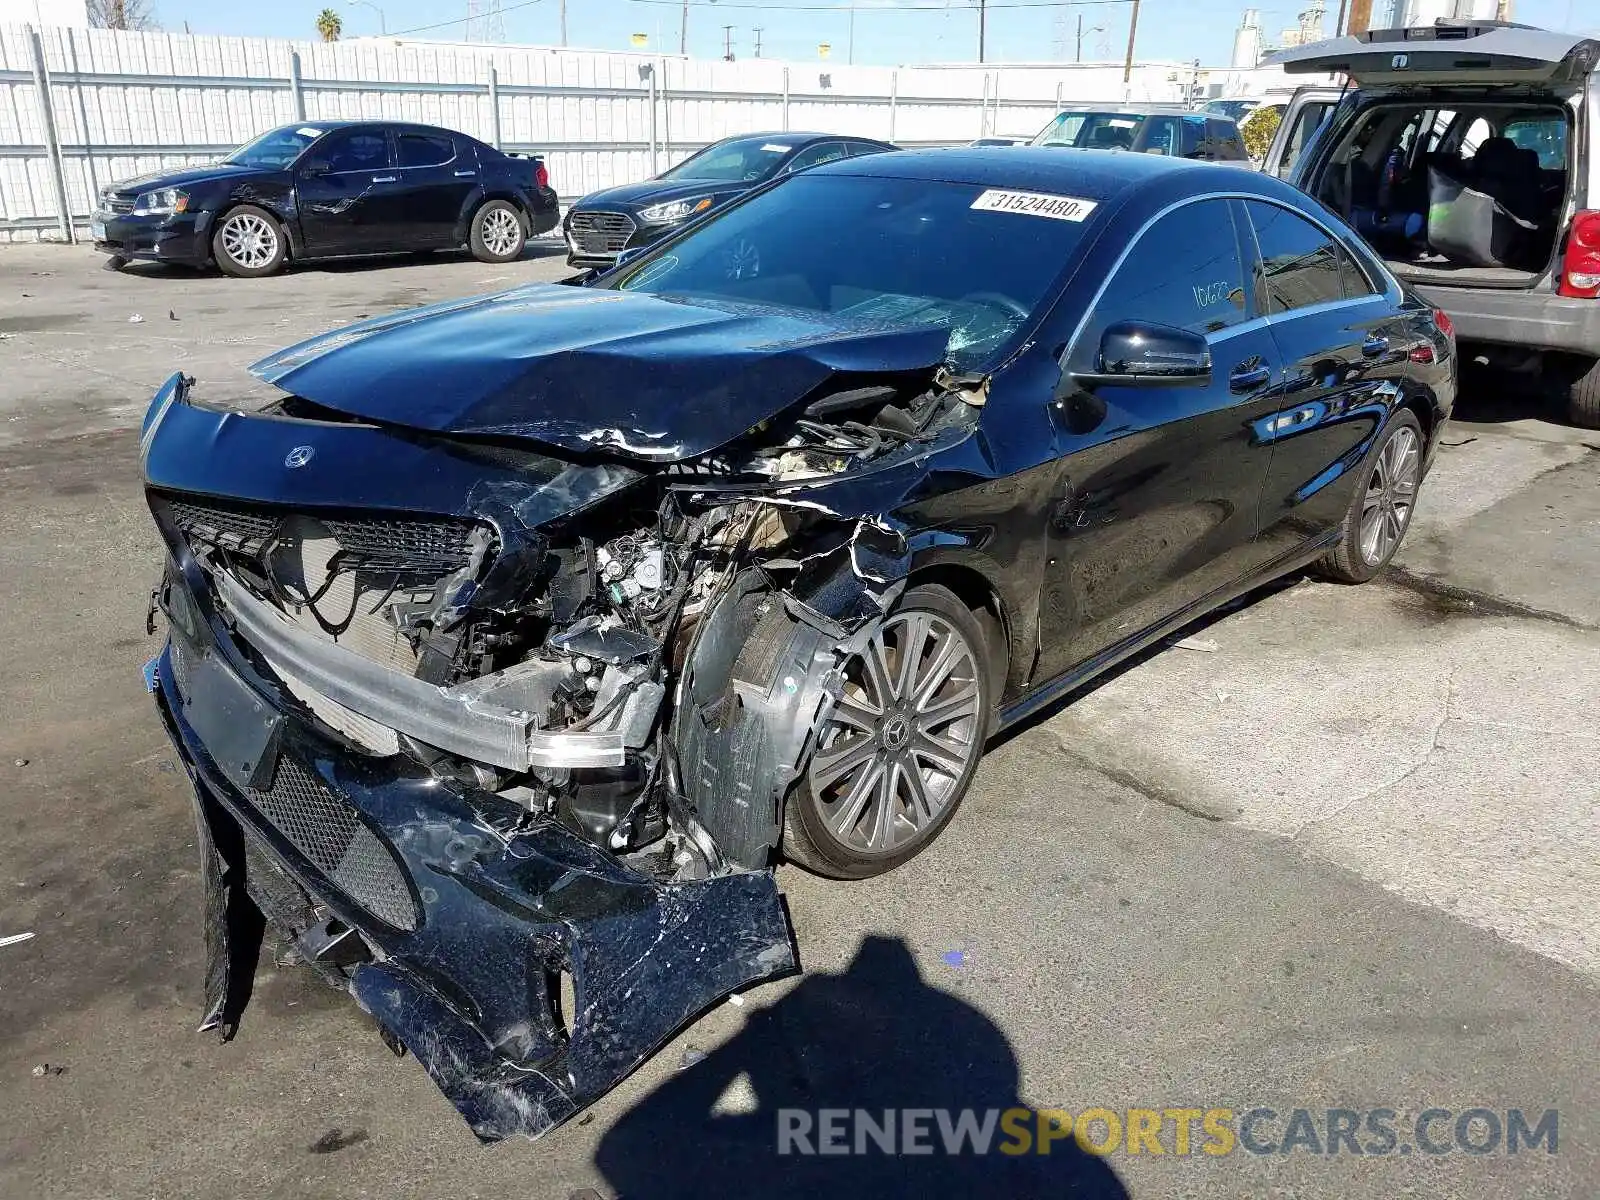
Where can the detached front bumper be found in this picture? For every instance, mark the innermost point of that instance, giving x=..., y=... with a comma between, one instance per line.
x=181, y=238
x=450, y=918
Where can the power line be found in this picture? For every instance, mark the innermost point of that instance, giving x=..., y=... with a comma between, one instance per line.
x=464, y=20
x=844, y=8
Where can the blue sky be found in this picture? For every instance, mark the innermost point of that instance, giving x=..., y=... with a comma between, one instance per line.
x=886, y=31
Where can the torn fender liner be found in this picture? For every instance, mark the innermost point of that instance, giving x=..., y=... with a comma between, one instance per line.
x=638, y=976
x=466, y=919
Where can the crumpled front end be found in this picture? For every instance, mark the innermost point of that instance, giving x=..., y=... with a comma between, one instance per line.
x=499, y=739
x=525, y=968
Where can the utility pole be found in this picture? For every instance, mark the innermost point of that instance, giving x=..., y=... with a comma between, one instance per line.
x=983, y=18
x=1133, y=30
x=850, y=52
x=757, y=32
x=727, y=43
x=1338, y=25
x=563, y=22
x=683, y=30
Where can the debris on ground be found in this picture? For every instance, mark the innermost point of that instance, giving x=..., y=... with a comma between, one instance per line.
x=171, y=315
x=44, y=1069
x=14, y=938
x=1205, y=645
x=19, y=762
x=954, y=958
x=136, y=319
x=691, y=1055
x=736, y=1000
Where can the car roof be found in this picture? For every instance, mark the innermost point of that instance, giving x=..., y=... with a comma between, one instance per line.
x=1099, y=175
x=794, y=137
x=1132, y=110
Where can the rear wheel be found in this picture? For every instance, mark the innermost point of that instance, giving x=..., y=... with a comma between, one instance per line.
x=249, y=242
x=1380, y=511
x=897, y=754
x=1583, y=397
x=498, y=234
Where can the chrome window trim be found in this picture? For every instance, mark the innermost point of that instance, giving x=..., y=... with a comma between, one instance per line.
x=1391, y=293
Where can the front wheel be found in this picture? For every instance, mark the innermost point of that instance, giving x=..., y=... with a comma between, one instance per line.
x=1380, y=511
x=249, y=242
x=498, y=235
x=895, y=757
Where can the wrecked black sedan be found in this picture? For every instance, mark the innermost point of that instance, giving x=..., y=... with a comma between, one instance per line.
x=515, y=642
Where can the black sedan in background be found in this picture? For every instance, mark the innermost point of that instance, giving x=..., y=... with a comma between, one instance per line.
x=523, y=636
x=604, y=224
x=326, y=188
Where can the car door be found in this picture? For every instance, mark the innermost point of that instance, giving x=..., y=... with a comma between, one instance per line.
x=1343, y=347
x=1159, y=502
x=437, y=173
x=346, y=185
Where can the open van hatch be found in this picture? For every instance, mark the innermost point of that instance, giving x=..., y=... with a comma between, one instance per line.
x=1479, y=54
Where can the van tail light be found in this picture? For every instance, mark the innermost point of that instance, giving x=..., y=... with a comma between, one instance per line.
x=1580, y=265
x=541, y=173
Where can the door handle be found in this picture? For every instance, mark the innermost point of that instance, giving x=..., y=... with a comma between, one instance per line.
x=1251, y=373
x=465, y=174
x=1374, y=345
x=385, y=178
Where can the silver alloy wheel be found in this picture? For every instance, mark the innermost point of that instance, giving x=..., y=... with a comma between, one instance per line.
x=894, y=750
x=501, y=232
x=1391, y=493
x=249, y=240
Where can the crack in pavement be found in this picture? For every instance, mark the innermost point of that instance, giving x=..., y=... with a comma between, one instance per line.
x=1446, y=704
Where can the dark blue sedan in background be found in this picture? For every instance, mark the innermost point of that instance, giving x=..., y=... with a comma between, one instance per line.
x=604, y=224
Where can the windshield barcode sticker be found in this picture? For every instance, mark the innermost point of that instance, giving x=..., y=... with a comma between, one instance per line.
x=1035, y=204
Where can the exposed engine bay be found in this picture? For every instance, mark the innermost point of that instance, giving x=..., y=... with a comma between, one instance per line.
x=566, y=644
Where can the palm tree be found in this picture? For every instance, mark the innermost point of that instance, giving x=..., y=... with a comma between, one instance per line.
x=329, y=25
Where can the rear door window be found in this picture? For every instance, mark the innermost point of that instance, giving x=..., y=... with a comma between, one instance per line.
x=425, y=149
x=1545, y=135
x=1306, y=123
x=1300, y=265
x=812, y=156
x=1161, y=136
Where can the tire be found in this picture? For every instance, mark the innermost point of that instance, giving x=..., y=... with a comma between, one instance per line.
x=498, y=232
x=1583, y=397
x=114, y=263
x=1387, y=492
x=870, y=797
x=249, y=243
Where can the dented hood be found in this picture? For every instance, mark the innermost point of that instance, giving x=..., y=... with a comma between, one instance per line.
x=654, y=378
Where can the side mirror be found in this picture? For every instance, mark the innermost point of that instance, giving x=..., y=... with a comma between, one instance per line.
x=1149, y=355
x=628, y=255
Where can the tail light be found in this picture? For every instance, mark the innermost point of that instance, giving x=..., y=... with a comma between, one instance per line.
x=1445, y=324
x=1580, y=265
x=541, y=173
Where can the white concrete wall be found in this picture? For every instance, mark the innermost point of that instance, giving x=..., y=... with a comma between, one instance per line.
x=126, y=103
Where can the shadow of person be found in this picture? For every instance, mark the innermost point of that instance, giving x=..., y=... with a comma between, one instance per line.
x=872, y=1038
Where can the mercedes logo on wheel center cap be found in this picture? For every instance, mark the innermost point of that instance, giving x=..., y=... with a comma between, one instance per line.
x=298, y=457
